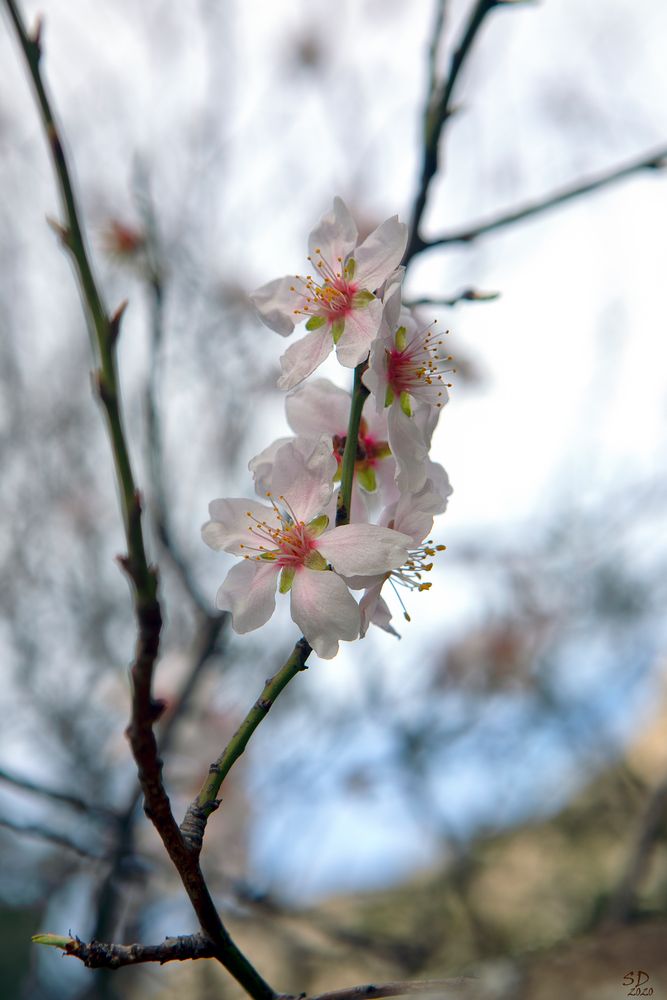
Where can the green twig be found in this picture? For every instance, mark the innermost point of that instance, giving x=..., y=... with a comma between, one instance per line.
x=359, y=395
x=194, y=823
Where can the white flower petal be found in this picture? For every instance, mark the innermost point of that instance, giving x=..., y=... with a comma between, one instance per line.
x=409, y=448
x=361, y=328
x=415, y=523
x=364, y=549
x=318, y=408
x=228, y=529
x=375, y=611
x=302, y=358
x=261, y=466
x=249, y=592
x=335, y=235
x=385, y=474
x=437, y=489
x=276, y=303
x=393, y=305
x=375, y=377
x=303, y=473
x=380, y=253
x=324, y=610
x=376, y=423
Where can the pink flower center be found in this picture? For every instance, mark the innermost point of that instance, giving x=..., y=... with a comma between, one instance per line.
x=334, y=298
x=329, y=294
x=418, y=367
x=402, y=371
x=287, y=544
x=370, y=451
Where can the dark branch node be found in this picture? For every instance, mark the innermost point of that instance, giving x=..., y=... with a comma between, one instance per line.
x=194, y=825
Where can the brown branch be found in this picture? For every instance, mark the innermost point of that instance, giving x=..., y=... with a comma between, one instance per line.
x=441, y=988
x=145, y=709
x=98, y=955
x=438, y=111
x=654, y=160
x=108, y=894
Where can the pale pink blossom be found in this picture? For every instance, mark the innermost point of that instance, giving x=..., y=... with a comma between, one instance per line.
x=289, y=541
x=339, y=304
x=320, y=407
x=406, y=377
x=412, y=515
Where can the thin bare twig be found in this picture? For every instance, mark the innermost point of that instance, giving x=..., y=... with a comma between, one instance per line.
x=437, y=37
x=654, y=160
x=438, y=111
x=65, y=798
x=196, y=817
x=441, y=988
x=41, y=832
x=99, y=955
x=145, y=710
x=108, y=894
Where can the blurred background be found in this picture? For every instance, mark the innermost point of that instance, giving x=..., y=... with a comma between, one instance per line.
x=488, y=794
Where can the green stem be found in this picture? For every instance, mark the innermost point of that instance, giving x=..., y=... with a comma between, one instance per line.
x=206, y=801
x=359, y=394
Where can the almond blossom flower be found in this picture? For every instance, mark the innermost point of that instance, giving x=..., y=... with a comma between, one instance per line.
x=412, y=515
x=288, y=542
x=321, y=407
x=339, y=304
x=405, y=376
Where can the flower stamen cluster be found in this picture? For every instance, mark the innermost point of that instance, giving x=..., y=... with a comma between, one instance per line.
x=331, y=300
x=414, y=369
x=294, y=543
x=410, y=575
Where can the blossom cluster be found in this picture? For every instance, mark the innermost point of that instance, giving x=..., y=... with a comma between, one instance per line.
x=292, y=540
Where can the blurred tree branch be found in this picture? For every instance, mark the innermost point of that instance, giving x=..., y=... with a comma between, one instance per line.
x=654, y=160
x=65, y=798
x=42, y=832
x=452, y=987
x=439, y=109
x=650, y=826
x=465, y=295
